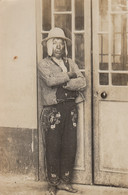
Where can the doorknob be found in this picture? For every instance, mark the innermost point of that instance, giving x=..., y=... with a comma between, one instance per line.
x=104, y=94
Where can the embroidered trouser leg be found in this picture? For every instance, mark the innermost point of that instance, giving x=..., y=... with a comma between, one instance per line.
x=59, y=124
x=69, y=141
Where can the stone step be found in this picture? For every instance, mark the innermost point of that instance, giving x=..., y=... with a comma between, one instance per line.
x=24, y=186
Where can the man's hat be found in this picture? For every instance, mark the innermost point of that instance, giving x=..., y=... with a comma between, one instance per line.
x=57, y=33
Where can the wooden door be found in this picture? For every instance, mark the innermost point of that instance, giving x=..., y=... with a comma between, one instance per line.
x=73, y=16
x=110, y=76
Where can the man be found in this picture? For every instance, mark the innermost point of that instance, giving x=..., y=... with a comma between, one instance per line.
x=61, y=83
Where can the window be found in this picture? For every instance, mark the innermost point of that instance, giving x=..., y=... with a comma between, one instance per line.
x=113, y=41
x=68, y=15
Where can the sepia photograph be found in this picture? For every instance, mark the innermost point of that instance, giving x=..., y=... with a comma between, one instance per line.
x=64, y=97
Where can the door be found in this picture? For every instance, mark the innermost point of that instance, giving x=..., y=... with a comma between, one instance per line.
x=73, y=16
x=110, y=82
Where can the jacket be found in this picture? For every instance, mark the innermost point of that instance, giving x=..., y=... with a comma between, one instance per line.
x=51, y=78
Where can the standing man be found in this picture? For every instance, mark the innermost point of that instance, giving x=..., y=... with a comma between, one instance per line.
x=61, y=83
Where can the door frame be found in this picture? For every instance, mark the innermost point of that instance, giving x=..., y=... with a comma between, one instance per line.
x=90, y=139
x=87, y=137
x=104, y=175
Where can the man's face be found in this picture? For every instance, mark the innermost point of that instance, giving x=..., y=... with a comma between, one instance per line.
x=58, y=48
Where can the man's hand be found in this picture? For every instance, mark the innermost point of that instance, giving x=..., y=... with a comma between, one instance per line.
x=72, y=75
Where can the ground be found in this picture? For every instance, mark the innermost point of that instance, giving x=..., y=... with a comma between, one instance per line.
x=24, y=186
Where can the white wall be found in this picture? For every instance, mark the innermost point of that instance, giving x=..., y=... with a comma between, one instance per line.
x=18, y=101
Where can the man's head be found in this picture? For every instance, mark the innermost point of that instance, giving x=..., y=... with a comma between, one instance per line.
x=58, y=47
x=57, y=42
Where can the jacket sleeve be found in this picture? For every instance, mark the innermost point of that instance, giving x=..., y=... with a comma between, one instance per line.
x=51, y=78
x=78, y=83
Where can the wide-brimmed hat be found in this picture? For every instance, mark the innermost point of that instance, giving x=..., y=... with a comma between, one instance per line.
x=57, y=33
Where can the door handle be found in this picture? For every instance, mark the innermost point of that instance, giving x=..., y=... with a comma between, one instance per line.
x=104, y=94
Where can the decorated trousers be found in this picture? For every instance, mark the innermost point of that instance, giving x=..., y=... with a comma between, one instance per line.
x=59, y=126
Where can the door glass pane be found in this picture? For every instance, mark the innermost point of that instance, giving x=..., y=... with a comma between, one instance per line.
x=119, y=79
x=79, y=50
x=62, y=5
x=119, y=42
x=116, y=52
x=119, y=5
x=46, y=14
x=79, y=14
x=116, y=23
x=103, y=52
x=103, y=79
x=103, y=15
x=103, y=62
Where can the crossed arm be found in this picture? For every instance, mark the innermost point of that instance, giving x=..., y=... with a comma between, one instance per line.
x=72, y=80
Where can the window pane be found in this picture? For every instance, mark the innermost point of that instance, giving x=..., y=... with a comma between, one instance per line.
x=64, y=21
x=116, y=23
x=62, y=5
x=44, y=46
x=46, y=9
x=119, y=79
x=103, y=78
x=79, y=50
x=79, y=14
x=118, y=5
x=103, y=15
x=103, y=44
